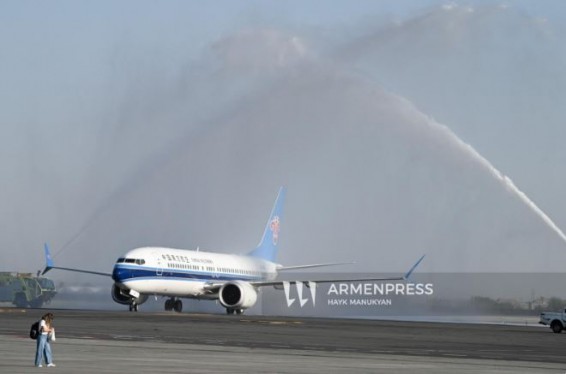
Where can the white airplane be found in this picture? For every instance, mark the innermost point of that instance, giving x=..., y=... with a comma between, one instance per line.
x=234, y=280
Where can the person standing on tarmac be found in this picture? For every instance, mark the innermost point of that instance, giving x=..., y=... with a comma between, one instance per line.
x=43, y=347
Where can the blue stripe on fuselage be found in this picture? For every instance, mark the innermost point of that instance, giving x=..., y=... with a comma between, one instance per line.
x=122, y=273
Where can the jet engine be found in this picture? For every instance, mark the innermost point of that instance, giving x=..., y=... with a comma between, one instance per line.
x=237, y=295
x=123, y=296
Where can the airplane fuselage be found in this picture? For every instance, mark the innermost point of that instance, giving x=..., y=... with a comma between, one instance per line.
x=185, y=273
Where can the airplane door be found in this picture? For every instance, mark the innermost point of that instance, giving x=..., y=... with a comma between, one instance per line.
x=159, y=270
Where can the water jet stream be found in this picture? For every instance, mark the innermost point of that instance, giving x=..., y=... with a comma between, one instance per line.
x=505, y=180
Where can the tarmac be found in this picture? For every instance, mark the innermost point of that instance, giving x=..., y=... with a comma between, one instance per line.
x=111, y=342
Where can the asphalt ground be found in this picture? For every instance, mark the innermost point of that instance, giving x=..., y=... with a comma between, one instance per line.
x=100, y=341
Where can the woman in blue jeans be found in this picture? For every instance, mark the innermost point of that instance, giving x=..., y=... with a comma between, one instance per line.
x=43, y=347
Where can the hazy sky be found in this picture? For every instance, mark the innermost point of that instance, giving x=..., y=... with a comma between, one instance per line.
x=174, y=123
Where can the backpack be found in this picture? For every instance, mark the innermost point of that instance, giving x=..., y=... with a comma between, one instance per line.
x=34, y=331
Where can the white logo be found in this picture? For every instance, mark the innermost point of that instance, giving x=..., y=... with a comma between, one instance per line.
x=299, y=285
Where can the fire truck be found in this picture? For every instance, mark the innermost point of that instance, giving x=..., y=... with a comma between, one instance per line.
x=25, y=290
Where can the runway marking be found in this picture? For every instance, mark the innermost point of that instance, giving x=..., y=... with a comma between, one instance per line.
x=272, y=322
x=383, y=352
x=123, y=337
x=133, y=337
x=280, y=346
x=213, y=341
x=9, y=310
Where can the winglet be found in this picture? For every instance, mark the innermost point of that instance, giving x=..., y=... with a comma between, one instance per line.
x=48, y=259
x=408, y=274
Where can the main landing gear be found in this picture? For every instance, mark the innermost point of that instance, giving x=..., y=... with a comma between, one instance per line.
x=133, y=307
x=231, y=311
x=174, y=304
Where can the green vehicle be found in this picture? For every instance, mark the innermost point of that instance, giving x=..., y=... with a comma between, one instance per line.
x=24, y=290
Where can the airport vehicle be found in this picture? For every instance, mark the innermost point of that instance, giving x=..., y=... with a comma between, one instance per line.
x=24, y=290
x=233, y=280
x=556, y=320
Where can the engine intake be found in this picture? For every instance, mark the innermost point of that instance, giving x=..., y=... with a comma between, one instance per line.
x=237, y=295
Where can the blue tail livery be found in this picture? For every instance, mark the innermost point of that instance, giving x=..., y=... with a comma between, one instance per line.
x=268, y=246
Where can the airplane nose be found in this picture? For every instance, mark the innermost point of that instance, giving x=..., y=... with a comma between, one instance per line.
x=119, y=274
x=115, y=274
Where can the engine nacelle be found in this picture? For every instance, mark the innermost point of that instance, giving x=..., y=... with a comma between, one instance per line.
x=122, y=296
x=237, y=295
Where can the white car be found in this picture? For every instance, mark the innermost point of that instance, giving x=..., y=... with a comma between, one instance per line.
x=556, y=321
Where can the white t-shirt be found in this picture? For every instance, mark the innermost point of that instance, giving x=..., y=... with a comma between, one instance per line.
x=42, y=327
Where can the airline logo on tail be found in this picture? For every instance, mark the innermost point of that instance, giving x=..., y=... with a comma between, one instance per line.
x=274, y=226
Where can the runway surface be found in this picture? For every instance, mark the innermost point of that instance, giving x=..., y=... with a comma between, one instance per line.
x=96, y=341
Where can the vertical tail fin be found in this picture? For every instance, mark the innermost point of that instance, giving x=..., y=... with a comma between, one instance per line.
x=267, y=247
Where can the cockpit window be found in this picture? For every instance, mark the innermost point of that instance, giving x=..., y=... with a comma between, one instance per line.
x=138, y=261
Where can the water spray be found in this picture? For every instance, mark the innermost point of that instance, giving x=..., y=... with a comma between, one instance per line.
x=505, y=180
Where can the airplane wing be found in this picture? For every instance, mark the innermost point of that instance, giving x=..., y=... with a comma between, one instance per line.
x=285, y=268
x=50, y=265
x=278, y=284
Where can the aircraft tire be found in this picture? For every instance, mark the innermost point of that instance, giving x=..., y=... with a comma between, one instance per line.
x=178, y=306
x=168, y=305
